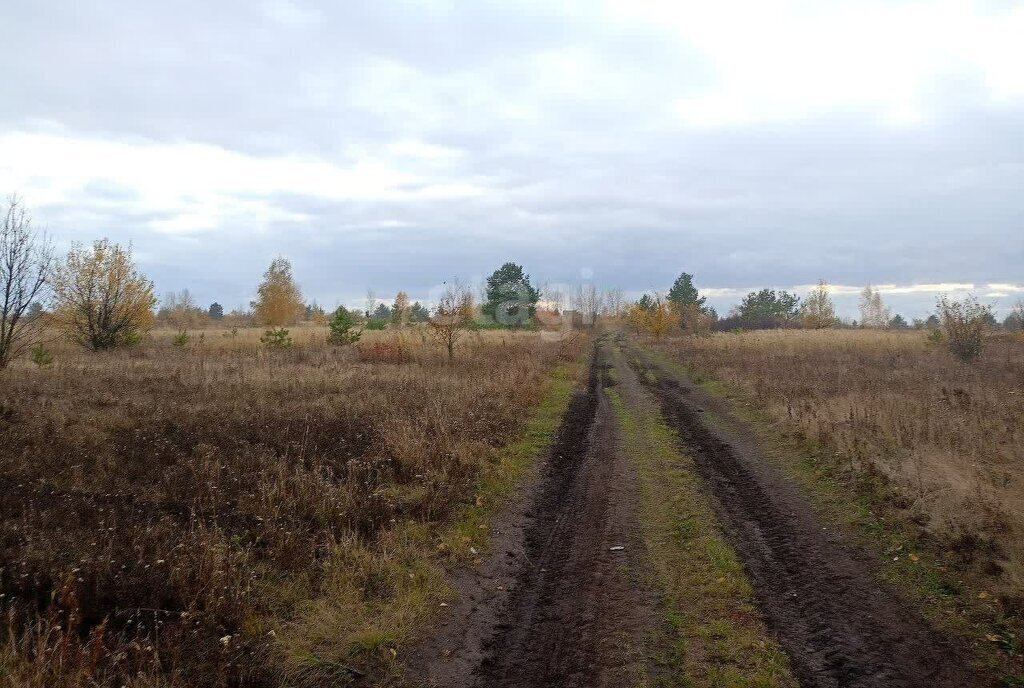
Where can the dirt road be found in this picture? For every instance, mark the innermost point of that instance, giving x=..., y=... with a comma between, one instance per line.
x=578, y=614
x=580, y=606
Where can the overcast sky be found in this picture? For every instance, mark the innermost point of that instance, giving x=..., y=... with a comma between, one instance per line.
x=392, y=145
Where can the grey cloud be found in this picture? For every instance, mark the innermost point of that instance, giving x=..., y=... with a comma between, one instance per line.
x=577, y=175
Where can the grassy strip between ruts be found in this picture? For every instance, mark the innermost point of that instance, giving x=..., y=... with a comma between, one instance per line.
x=860, y=507
x=713, y=634
x=356, y=632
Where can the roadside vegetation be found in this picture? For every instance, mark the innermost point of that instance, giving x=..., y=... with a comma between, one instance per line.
x=912, y=431
x=261, y=497
x=215, y=514
x=931, y=445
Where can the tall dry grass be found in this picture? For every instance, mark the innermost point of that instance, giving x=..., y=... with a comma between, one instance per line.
x=224, y=515
x=945, y=438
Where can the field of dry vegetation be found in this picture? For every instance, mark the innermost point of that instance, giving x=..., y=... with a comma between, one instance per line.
x=943, y=440
x=224, y=515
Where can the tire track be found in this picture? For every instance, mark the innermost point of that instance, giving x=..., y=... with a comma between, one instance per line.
x=576, y=619
x=839, y=625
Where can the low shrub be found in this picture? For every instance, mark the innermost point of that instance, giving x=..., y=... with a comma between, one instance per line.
x=342, y=328
x=40, y=355
x=131, y=338
x=964, y=324
x=276, y=339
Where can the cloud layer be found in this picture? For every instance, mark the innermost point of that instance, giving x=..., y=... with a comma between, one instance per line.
x=398, y=143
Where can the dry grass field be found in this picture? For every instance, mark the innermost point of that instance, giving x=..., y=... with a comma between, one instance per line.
x=224, y=515
x=943, y=439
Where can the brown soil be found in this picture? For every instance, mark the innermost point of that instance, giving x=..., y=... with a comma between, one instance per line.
x=579, y=615
x=554, y=606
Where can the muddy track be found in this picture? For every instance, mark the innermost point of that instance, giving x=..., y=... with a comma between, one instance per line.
x=821, y=597
x=577, y=615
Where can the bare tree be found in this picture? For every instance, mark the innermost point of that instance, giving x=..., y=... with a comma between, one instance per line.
x=1015, y=320
x=26, y=258
x=452, y=315
x=614, y=302
x=553, y=297
x=587, y=302
x=371, y=302
x=873, y=313
x=180, y=310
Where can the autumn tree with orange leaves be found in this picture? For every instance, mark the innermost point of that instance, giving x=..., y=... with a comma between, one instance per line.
x=636, y=317
x=101, y=299
x=279, y=300
x=400, y=310
x=817, y=311
x=654, y=314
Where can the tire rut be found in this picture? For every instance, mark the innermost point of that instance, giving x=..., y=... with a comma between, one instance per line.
x=839, y=624
x=576, y=618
